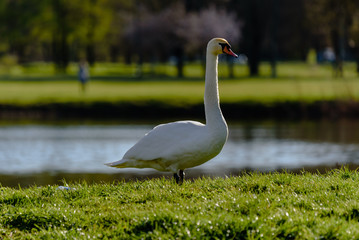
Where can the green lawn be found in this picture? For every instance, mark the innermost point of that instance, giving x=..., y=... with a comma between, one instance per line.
x=288, y=70
x=295, y=82
x=253, y=206
x=266, y=90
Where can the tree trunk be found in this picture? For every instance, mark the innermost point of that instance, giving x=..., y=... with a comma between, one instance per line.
x=254, y=31
x=60, y=35
x=274, y=27
x=90, y=54
x=179, y=61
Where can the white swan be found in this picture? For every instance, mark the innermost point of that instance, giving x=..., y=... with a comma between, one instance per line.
x=179, y=145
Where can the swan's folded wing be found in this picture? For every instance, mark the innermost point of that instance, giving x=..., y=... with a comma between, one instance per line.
x=167, y=141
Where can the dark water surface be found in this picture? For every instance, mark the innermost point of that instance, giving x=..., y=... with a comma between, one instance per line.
x=45, y=154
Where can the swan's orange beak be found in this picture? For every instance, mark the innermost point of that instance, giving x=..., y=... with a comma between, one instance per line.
x=229, y=51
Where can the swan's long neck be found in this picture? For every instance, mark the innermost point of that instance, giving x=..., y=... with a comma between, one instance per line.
x=213, y=112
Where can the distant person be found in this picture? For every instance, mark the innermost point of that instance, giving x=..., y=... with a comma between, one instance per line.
x=83, y=74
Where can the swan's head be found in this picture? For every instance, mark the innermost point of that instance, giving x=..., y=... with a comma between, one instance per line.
x=220, y=45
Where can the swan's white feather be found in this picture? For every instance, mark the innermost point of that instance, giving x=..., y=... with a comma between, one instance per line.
x=172, y=146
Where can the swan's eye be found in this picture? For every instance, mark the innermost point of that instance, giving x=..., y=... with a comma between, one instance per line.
x=225, y=46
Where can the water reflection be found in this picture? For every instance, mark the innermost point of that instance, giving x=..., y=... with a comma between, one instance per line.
x=33, y=153
x=273, y=146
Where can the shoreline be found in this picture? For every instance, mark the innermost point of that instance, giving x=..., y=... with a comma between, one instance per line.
x=25, y=180
x=153, y=110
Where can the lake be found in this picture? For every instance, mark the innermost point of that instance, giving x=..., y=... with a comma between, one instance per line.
x=45, y=154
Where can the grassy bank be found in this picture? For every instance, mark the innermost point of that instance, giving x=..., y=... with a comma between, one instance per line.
x=253, y=206
x=176, y=91
x=240, y=99
x=302, y=89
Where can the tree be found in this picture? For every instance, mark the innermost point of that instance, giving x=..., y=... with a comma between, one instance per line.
x=332, y=19
x=83, y=23
x=272, y=30
x=354, y=37
x=122, y=14
x=152, y=36
x=199, y=27
x=21, y=22
x=254, y=16
x=160, y=33
x=66, y=17
x=97, y=19
x=172, y=31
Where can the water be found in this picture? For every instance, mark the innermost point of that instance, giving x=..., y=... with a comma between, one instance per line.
x=72, y=150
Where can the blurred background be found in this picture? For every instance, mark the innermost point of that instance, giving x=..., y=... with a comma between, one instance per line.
x=82, y=81
x=138, y=31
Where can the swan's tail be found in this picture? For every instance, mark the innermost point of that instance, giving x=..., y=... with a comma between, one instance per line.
x=117, y=164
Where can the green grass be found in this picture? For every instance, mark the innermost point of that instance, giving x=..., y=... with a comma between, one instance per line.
x=253, y=206
x=192, y=70
x=295, y=82
x=186, y=92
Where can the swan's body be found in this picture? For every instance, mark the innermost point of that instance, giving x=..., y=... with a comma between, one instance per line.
x=184, y=144
x=174, y=146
